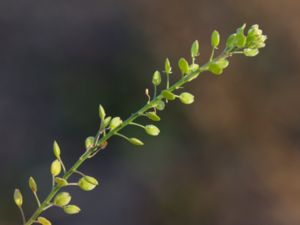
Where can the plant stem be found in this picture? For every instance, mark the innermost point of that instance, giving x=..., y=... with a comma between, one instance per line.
x=113, y=132
x=22, y=214
x=37, y=199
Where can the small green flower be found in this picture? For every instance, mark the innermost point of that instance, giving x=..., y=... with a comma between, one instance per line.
x=18, y=198
x=71, y=209
x=61, y=182
x=56, y=150
x=186, y=98
x=159, y=104
x=152, y=130
x=32, y=184
x=88, y=183
x=152, y=116
x=55, y=167
x=215, y=69
x=250, y=52
x=89, y=142
x=168, y=95
x=215, y=39
x=168, y=68
x=107, y=121
x=255, y=38
x=62, y=199
x=115, y=122
x=102, y=113
x=183, y=66
x=43, y=221
x=156, y=79
x=135, y=141
x=195, y=49
x=231, y=40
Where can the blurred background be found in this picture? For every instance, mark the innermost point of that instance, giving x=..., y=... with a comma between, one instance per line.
x=231, y=158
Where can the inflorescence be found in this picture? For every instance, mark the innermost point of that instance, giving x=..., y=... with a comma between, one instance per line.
x=240, y=42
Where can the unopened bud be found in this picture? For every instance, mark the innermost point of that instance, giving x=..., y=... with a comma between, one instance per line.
x=250, y=52
x=215, y=39
x=62, y=199
x=152, y=116
x=56, y=150
x=61, y=181
x=18, y=198
x=43, y=221
x=156, y=79
x=102, y=113
x=135, y=141
x=115, y=122
x=186, y=98
x=32, y=184
x=89, y=142
x=168, y=95
x=183, y=66
x=71, y=209
x=88, y=183
x=55, y=167
x=168, y=68
x=159, y=104
x=152, y=130
x=195, y=49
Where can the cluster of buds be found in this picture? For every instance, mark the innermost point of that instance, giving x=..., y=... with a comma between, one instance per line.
x=249, y=44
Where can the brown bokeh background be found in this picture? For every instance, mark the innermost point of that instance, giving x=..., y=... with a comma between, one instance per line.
x=231, y=158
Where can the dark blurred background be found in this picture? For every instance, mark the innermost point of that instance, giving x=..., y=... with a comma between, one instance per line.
x=231, y=158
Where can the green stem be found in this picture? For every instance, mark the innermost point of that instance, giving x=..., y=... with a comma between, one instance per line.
x=37, y=199
x=23, y=215
x=115, y=131
x=137, y=124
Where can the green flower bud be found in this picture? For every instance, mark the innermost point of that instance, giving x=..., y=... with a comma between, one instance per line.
x=135, y=141
x=250, y=52
x=168, y=68
x=102, y=113
x=43, y=221
x=62, y=199
x=156, y=79
x=56, y=150
x=255, y=37
x=215, y=69
x=32, y=184
x=115, y=122
x=106, y=121
x=18, y=198
x=71, y=209
x=61, y=182
x=230, y=42
x=89, y=142
x=195, y=49
x=186, y=98
x=87, y=183
x=194, y=67
x=160, y=105
x=183, y=66
x=168, y=95
x=152, y=116
x=152, y=130
x=241, y=39
x=55, y=167
x=223, y=63
x=215, y=39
